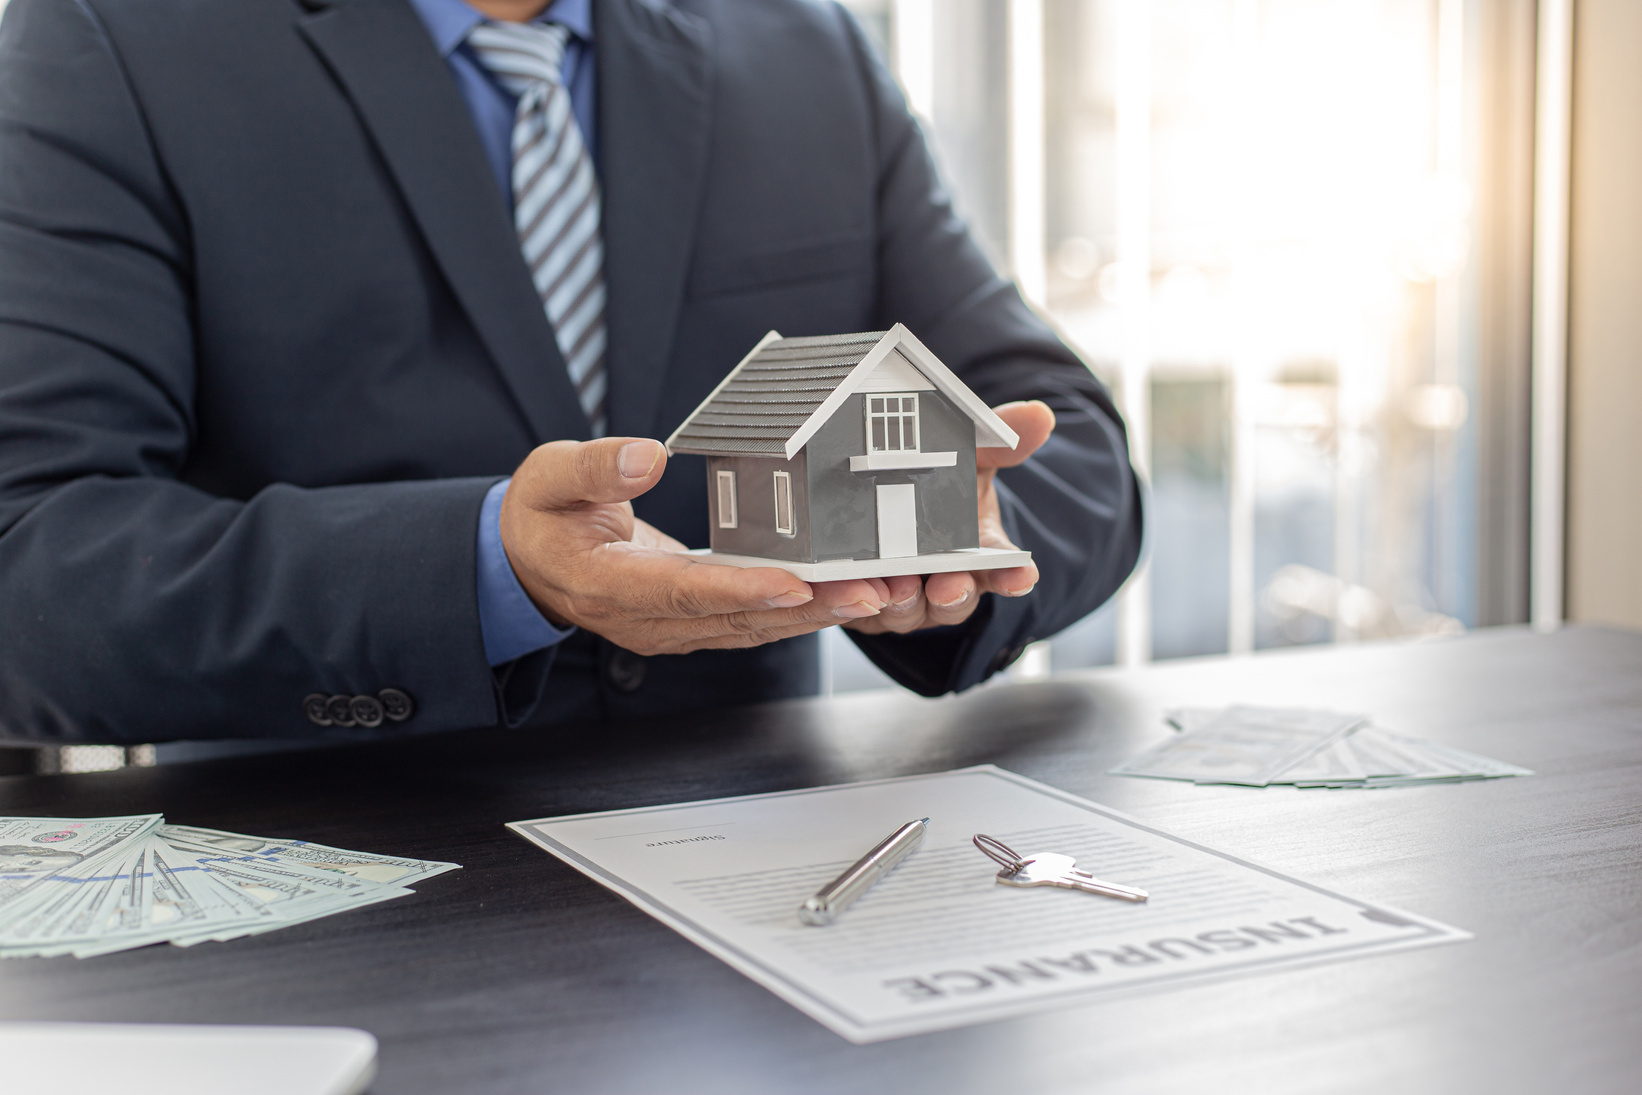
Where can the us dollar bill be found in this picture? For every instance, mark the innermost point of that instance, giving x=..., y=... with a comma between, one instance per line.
x=91, y=886
x=301, y=854
x=36, y=850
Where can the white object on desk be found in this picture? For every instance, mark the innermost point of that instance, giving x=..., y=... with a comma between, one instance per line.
x=939, y=944
x=166, y=1059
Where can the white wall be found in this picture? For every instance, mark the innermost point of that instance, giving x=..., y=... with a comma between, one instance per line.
x=1604, y=553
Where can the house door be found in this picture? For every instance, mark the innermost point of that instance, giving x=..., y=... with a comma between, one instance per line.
x=897, y=521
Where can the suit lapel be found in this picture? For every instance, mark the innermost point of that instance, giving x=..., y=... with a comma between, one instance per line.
x=384, y=59
x=655, y=84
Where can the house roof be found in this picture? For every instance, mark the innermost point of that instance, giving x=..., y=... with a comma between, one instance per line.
x=782, y=392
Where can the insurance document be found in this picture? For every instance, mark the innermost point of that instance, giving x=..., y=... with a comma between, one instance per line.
x=938, y=943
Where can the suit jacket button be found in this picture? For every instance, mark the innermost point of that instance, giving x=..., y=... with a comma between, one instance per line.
x=339, y=709
x=626, y=670
x=396, y=705
x=314, y=708
x=366, y=710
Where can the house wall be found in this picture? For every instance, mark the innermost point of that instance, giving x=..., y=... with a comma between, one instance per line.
x=755, y=498
x=845, y=513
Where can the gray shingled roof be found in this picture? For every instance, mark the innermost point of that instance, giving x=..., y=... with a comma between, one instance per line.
x=772, y=394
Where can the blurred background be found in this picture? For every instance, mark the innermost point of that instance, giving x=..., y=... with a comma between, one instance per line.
x=1362, y=274
x=1295, y=239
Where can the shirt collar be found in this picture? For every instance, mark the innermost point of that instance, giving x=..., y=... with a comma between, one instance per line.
x=450, y=20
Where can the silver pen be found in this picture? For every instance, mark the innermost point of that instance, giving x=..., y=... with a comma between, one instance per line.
x=837, y=895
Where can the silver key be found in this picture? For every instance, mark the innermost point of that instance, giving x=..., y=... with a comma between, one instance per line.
x=1053, y=869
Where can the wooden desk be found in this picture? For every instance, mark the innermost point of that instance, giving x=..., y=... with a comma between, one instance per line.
x=518, y=975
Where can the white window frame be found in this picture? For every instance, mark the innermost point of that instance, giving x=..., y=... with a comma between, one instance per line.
x=728, y=516
x=783, y=503
x=876, y=404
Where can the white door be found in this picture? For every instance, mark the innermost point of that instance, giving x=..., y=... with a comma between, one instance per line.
x=897, y=521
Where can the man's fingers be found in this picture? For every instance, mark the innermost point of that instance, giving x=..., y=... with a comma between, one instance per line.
x=951, y=598
x=855, y=599
x=1010, y=581
x=905, y=608
x=666, y=585
x=1032, y=420
x=833, y=603
x=904, y=593
x=738, y=640
x=653, y=584
x=612, y=469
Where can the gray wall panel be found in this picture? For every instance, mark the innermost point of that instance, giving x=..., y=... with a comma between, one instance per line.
x=846, y=520
x=946, y=496
x=755, y=495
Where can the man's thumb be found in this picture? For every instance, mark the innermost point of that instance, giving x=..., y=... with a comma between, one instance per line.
x=611, y=469
x=1033, y=421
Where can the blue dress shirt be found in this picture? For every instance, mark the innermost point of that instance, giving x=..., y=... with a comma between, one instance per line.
x=508, y=619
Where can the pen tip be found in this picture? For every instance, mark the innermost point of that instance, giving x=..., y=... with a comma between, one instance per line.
x=925, y=820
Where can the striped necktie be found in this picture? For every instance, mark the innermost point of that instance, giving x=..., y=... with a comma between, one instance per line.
x=555, y=198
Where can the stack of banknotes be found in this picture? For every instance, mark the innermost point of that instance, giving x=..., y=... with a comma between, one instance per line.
x=1269, y=746
x=89, y=886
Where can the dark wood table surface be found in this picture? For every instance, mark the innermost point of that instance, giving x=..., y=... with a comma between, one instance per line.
x=516, y=974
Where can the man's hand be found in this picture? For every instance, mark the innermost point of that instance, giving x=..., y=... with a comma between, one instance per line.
x=570, y=534
x=941, y=599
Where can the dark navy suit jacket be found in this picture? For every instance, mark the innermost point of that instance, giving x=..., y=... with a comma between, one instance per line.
x=266, y=338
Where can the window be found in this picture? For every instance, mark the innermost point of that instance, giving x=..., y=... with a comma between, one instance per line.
x=1333, y=446
x=892, y=423
x=783, y=503
x=727, y=516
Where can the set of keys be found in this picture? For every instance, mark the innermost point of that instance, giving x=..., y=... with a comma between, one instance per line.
x=1049, y=869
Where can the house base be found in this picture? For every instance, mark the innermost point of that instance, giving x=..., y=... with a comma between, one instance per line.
x=838, y=570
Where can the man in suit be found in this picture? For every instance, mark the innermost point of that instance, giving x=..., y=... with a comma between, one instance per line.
x=284, y=298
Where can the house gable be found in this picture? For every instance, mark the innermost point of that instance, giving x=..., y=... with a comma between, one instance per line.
x=786, y=389
x=895, y=374
x=990, y=430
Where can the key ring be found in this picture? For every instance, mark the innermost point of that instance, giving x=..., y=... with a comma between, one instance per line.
x=999, y=852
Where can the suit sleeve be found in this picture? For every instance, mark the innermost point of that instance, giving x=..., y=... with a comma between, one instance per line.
x=1076, y=503
x=134, y=606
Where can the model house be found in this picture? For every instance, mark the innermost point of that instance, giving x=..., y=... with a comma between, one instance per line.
x=845, y=449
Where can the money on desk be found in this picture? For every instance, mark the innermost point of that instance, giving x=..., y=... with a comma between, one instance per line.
x=90, y=886
x=1275, y=746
